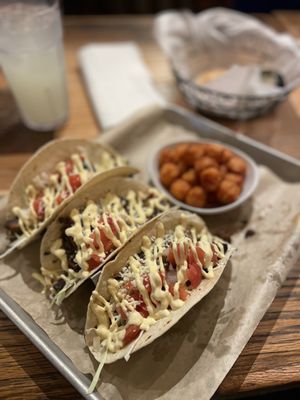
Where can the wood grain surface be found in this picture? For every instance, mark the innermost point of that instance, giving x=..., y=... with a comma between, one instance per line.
x=271, y=359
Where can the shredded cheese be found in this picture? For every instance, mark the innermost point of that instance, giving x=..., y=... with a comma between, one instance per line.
x=53, y=189
x=100, y=228
x=147, y=272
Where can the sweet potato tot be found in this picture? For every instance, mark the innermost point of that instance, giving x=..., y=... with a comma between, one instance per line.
x=215, y=151
x=226, y=155
x=210, y=178
x=168, y=173
x=236, y=178
x=165, y=156
x=190, y=176
x=203, y=163
x=179, y=189
x=228, y=192
x=196, y=197
x=193, y=152
x=237, y=165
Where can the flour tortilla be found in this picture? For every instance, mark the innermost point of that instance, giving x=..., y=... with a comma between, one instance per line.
x=170, y=219
x=95, y=189
x=44, y=161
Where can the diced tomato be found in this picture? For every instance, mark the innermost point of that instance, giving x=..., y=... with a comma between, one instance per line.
x=121, y=312
x=93, y=236
x=128, y=286
x=191, y=258
x=182, y=292
x=69, y=166
x=194, y=274
x=110, y=222
x=75, y=181
x=133, y=291
x=38, y=207
x=142, y=309
x=107, y=243
x=94, y=261
x=132, y=332
x=62, y=196
x=147, y=284
x=200, y=253
x=112, y=225
x=171, y=257
x=135, y=294
x=171, y=288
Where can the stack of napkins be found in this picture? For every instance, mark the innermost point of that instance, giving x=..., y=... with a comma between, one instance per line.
x=117, y=80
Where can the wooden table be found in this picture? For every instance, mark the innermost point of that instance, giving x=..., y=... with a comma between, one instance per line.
x=271, y=359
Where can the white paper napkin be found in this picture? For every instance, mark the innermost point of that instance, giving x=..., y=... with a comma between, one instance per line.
x=243, y=80
x=117, y=80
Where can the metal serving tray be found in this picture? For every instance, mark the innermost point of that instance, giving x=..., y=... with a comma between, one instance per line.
x=284, y=166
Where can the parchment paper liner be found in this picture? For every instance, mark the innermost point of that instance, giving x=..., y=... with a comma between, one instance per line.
x=170, y=220
x=192, y=359
x=114, y=181
x=44, y=160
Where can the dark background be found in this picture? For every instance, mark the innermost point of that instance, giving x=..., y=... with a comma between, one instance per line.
x=85, y=7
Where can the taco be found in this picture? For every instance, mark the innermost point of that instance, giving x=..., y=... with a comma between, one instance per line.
x=93, y=227
x=165, y=269
x=46, y=183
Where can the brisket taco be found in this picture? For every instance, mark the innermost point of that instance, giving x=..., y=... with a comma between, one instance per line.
x=95, y=224
x=158, y=276
x=46, y=183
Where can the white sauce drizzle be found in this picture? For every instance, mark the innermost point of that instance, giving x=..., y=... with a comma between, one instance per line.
x=116, y=218
x=58, y=183
x=160, y=302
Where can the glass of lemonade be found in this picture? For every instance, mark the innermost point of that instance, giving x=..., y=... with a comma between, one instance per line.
x=32, y=58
